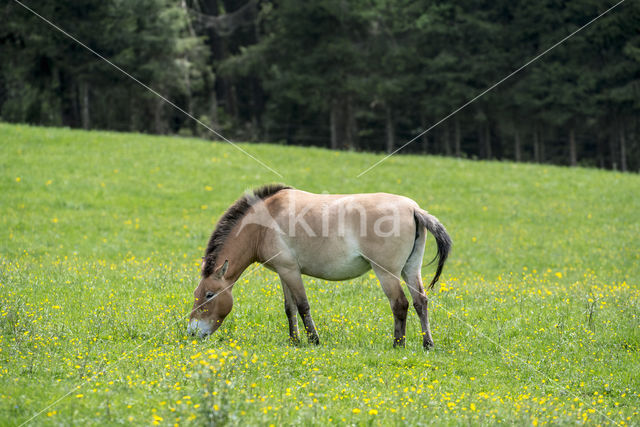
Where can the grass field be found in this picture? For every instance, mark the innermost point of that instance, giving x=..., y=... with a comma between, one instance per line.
x=537, y=318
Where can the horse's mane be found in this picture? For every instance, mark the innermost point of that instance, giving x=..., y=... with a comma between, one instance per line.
x=230, y=218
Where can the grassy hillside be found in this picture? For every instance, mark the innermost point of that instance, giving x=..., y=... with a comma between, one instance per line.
x=537, y=318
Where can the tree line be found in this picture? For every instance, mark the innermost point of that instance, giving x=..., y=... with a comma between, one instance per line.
x=352, y=75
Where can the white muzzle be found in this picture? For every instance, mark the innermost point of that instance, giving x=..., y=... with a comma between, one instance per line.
x=199, y=327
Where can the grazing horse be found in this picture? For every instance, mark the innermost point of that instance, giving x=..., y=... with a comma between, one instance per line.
x=329, y=236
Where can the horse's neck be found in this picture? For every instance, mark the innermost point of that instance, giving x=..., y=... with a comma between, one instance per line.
x=241, y=250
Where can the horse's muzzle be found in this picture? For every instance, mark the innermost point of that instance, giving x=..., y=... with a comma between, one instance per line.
x=199, y=327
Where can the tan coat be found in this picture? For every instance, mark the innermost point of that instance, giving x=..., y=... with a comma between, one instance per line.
x=329, y=236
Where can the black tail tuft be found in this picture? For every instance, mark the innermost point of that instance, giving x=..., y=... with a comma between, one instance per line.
x=443, y=240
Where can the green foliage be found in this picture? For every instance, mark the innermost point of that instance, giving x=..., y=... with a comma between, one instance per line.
x=149, y=39
x=419, y=61
x=358, y=75
x=536, y=319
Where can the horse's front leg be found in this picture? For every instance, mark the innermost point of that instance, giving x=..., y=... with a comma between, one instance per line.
x=292, y=280
x=291, y=310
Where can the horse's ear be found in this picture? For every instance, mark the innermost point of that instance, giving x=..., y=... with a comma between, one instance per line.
x=222, y=270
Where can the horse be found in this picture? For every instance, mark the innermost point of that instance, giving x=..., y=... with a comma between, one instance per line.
x=329, y=236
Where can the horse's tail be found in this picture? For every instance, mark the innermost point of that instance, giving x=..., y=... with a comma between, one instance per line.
x=443, y=240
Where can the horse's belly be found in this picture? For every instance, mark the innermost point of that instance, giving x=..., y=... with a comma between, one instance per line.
x=338, y=270
x=333, y=265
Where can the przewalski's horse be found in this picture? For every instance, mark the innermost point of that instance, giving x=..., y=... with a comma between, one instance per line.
x=329, y=236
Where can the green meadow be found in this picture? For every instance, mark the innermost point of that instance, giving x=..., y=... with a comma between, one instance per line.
x=536, y=319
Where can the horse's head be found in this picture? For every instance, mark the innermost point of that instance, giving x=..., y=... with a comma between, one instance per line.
x=212, y=303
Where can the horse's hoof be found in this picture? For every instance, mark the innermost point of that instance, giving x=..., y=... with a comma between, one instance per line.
x=294, y=341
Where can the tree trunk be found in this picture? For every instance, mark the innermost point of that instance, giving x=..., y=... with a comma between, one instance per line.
x=333, y=120
x=573, y=156
x=487, y=141
x=55, y=115
x=158, y=122
x=191, y=123
x=458, y=149
x=219, y=51
x=232, y=102
x=424, y=139
x=352, y=126
x=391, y=131
x=133, y=122
x=425, y=143
x=342, y=123
x=69, y=104
x=600, y=154
x=517, y=147
x=613, y=151
x=623, y=150
x=84, y=105
x=446, y=139
x=536, y=146
x=213, y=112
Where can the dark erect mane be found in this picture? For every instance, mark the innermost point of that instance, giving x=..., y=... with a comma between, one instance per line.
x=230, y=218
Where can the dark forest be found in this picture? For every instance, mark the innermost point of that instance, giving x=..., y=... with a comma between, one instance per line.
x=358, y=75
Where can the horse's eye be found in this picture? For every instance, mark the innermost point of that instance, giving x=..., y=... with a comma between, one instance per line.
x=209, y=295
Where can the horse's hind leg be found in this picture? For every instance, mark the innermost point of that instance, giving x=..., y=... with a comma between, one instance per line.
x=292, y=280
x=291, y=310
x=420, y=302
x=399, y=305
x=412, y=276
